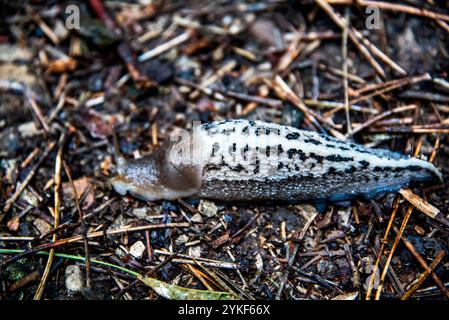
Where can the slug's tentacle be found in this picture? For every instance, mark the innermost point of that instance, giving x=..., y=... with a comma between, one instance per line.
x=119, y=159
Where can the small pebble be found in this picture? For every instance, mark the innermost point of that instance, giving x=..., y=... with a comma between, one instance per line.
x=207, y=208
x=137, y=249
x=42, y=226
x=195, y=251
x=182, y=239
x=140, y=213
x=29, y=197
x=28, y=129
x=259, y=262
x=74, y=278
x=197, y=218
x=344, y=216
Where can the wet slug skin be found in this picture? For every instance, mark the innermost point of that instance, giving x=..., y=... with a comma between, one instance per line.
x=244, y=160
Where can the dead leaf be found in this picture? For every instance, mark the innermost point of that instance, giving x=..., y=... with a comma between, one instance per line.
x=14, y=223
x=347, y=296
x=62, y=65
x=98, y=125
x=173, y=292
x=81, y=185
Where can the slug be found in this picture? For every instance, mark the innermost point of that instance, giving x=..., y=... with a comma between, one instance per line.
x=244, y=160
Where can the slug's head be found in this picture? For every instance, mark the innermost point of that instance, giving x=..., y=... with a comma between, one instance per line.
x=152, y=178
x=136, y=177
x=140, y=178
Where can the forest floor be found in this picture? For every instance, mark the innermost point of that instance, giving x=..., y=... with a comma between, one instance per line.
x=69, y=72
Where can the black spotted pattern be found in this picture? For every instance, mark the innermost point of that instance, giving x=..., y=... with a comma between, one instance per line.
x=301, y=155
x=257, y=168
x=292, y=136
x=280, y=150
x=318, y=158
x=313, y=141
x=364, y=164
x=338, y=158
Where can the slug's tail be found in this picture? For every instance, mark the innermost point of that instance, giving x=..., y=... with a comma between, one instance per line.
x=431, y=173
x=118, y=157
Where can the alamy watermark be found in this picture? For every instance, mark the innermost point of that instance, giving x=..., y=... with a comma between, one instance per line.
x=373, y=19
x=72, y=21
